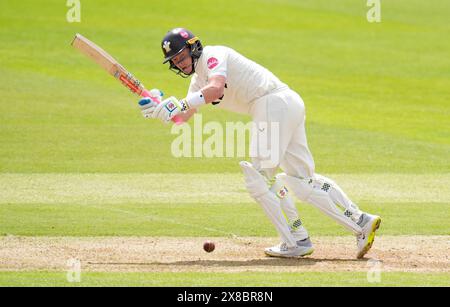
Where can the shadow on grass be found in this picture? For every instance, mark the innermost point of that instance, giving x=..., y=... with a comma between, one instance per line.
x=239, y=263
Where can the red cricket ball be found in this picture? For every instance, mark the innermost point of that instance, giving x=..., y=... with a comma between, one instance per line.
x=208, y=246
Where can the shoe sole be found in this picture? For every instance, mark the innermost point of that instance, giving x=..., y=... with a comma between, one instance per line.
x=290, y=256
x=371, y=239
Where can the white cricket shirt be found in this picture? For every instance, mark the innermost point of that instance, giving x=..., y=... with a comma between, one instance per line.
x=246, y=80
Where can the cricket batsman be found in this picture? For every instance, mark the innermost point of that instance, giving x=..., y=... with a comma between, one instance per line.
x=223, y=77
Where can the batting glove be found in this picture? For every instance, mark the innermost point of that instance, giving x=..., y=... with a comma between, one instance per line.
x=148, y=104
x=169, y=108
x=165, y=110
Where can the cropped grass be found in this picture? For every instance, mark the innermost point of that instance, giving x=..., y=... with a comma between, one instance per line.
x=208, y=204
x=197, y=279
x=78, y=159
x=376, y=94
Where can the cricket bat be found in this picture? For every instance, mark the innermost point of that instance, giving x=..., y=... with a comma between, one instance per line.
x=114, y=68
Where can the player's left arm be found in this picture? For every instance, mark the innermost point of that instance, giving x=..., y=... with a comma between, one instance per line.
x=186, y=115
x=187, y=107
x=213, y=91
x=217, y=71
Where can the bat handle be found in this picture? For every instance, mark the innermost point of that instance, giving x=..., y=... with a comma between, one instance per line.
x=176, y=119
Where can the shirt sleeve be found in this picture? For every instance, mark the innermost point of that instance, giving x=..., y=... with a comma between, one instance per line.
x=216, y=62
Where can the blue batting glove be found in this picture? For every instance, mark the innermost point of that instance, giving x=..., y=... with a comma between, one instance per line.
x=147, y=106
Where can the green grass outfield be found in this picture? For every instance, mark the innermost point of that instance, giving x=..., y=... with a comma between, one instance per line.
x=376, y=93
x=145, y=205
x=77, y=159
x=314, y=279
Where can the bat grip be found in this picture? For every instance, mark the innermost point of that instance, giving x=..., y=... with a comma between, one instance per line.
x=176, y=119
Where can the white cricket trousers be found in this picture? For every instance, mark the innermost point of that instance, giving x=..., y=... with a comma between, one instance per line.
x=289, y=150
x=279, y=137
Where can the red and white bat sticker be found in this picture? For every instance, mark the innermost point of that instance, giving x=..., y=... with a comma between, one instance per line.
x=132, y=86
x=212, y=62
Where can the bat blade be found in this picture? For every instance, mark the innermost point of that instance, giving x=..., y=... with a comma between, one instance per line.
x=113, y=67
x=108, y=63
x=97, y=54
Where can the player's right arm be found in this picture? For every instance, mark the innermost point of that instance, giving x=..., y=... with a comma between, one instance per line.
x=215, y=88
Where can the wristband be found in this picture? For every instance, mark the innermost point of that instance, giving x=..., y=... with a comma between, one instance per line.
x=195, y=100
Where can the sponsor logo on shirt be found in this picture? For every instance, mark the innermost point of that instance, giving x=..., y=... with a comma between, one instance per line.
x=212, y=62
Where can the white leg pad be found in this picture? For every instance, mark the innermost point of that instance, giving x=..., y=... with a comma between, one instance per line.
x=286, y=201
x=340, y=198
x=290, y=210
x=306, y=191
x=257, y=187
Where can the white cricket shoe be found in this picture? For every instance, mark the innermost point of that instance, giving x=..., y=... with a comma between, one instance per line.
x=303, y=248
x=369, y=224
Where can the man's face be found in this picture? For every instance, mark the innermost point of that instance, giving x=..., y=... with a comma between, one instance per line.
x=183, y=61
